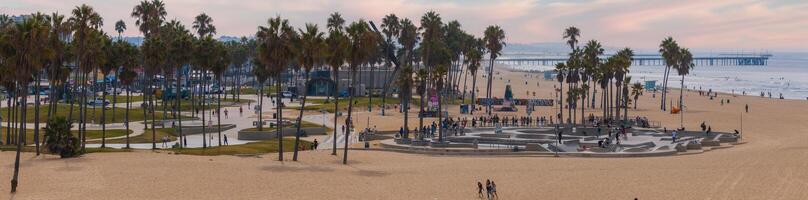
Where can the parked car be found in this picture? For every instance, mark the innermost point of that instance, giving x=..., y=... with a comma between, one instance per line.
x=116, y=91
x=287, y=94
x=98, y=102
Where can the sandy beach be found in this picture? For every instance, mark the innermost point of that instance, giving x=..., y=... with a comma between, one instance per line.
x=772, y=164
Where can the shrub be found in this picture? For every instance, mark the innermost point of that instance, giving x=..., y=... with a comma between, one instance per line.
x=59, y=140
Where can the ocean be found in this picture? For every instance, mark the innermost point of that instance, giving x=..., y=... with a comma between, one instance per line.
x=786, y=74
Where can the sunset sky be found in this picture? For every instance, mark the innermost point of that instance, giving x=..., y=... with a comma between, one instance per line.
x=707, y=25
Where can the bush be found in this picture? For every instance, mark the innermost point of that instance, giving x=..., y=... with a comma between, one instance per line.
x=59, y=140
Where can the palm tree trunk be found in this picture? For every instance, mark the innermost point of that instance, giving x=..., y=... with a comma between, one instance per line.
x=128, y=106
x=83, y=113
x=279, y=120
x=406, y=108
x=15, y=178
x=36, y=113
x=421, y=105
x=9, y=112
x=114, y=97
x=300, y=117
x=72, y=93
x=681, y=103
x=561, y=102
x=473, y=92
x=350, y=120
x=260, y=106
x=152, y=100
x=177, y=106
x=440, y=115
x=202, y=101
x=219, y=111
x=103, y=113
x=664, y=87
x=371, y=85
x=488, y=89
x=336, y=110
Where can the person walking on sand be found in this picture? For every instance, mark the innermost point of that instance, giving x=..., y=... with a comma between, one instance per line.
x=315, y=144
x=747, y=108
x=225, y=140
x=494, y=190
x=479, y=189
x=488, y=188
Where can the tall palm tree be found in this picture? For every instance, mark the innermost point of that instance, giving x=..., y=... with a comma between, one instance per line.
x=28, y=40
x=127, y=58
x=106, y=67
x=180, y=40
x=625, y=56
x=561, y=73
x=337, y=50
x=120, y=27
x=309, y=53
x=206, y=57
x=683, y=66
x=670, y=51
x=86, y=24
x=571, y=34
x=275, y=52
x=220, y=63
x=150, y=16
x=473, y=56
x=636, y=91
x=57, y=73
x=362, y=44
x=408, y=38
x=592, y=52
x=391, y=27
x=404, y=81
x=494, y=41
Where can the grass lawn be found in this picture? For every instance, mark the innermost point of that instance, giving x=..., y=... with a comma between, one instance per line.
x=261, y=147
x=122, y=98
x=93, y=116
x=146, y=137
x=250, y=90
x=91, y=134
x=212, y=104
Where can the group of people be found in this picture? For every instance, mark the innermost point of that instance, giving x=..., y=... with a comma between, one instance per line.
x=515, y=121
x=490, y=189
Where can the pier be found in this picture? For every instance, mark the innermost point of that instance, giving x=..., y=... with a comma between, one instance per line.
x=653, y=60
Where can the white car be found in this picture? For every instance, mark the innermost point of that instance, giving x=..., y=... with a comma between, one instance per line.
x=98, y=102
x=117, y=91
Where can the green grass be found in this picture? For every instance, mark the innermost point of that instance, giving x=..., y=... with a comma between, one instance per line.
x=122, y=98
x=146, y=137
x=91, y=134
x=187, y=106
x=250, y=90
x=261, y=147
x=93, y=115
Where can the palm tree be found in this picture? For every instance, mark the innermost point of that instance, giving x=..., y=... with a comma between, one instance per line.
x=275, y=52
x=150, y=17
x=625, y=56
x=683, y=66
x=180, y=40
x=494, y=41
x=422, y=75
x=86, y=22
x=473, y=56
x=120, y=27
x=106, y=68
x=362, y=44
x=206, y=58
x=221, y=61
x=128, y=56
x=29, y=40
x=404, y=81
x=571, y=34
x=561, y=73
x=592, y=51
x=309, y=54
x=57, y=73
x=391, y=27
x=636, y=91
x=337, y=50
x=669, y=50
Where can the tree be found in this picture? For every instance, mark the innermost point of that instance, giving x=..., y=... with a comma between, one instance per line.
x=56, y=70
x=129, y=56
x=561, y=73
x=205, y=58
x=179, y=40
x=473, y=56
x=150, y=17
x=636, y=91
x=29, y=40
x=683, y=66
x=120, y=27
x=337, y=49
x=86, y=23
x=309, y=53
x=494, y=41
x=275, y=52
x=571, y=34
x=391, y=27
x=362, y=44
x=60, y=140
x=404, y=81
x=670, y=51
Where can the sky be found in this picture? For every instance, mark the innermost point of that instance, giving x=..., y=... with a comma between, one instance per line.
x=706, y=25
